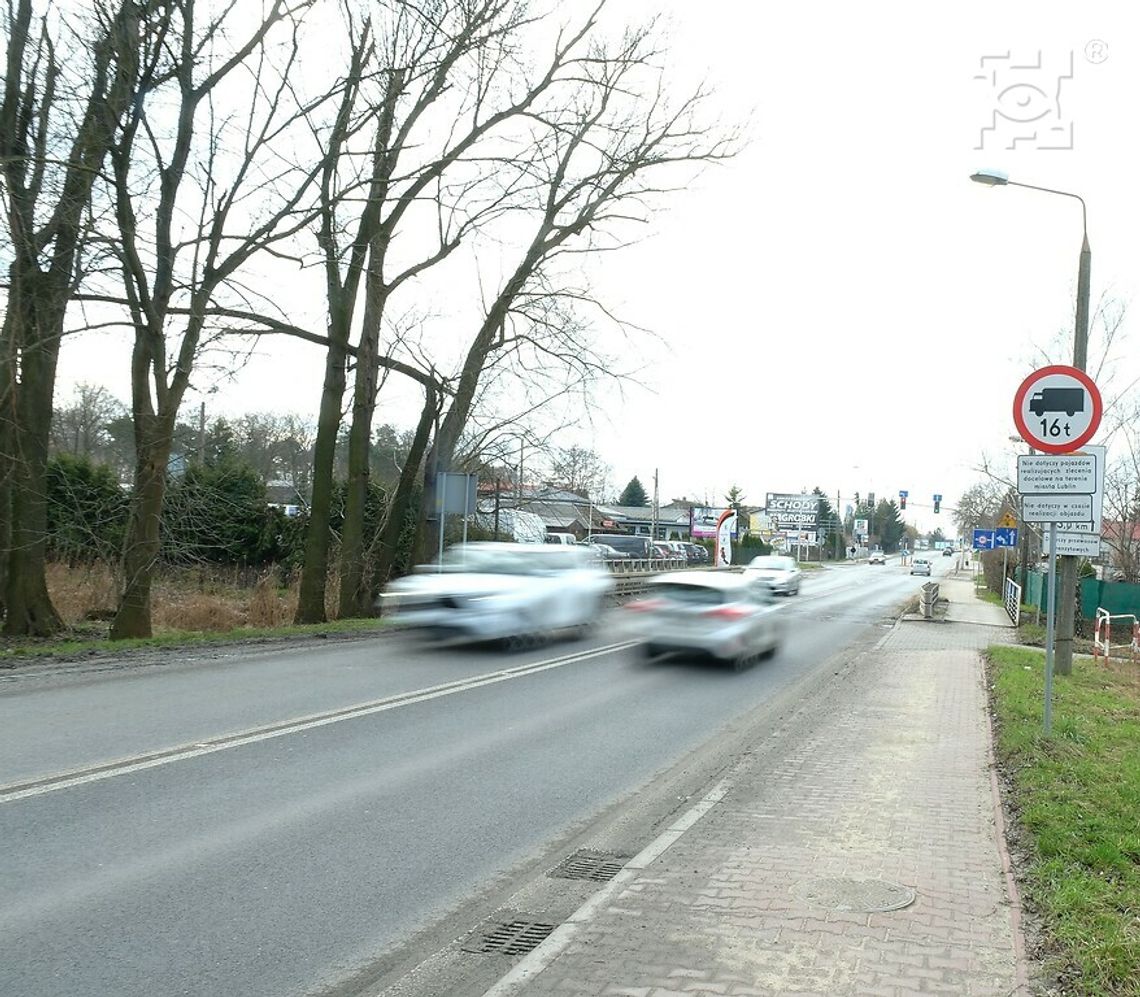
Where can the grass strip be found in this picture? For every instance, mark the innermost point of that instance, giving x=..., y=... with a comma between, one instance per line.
x=80, y=642
x=1077, y=798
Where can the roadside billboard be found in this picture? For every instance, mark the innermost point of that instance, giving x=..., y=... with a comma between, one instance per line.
x=703, y=522
x=793, y=512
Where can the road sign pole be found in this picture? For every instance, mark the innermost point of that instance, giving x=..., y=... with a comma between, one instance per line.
x=1050, y=628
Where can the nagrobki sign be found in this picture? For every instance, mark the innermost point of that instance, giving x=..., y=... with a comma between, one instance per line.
x=799, y=512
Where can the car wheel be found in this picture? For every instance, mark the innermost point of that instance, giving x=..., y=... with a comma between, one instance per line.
x=743, y=661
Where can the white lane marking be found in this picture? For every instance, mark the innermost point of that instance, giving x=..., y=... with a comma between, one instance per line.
x=559, y=939
x=80, y=777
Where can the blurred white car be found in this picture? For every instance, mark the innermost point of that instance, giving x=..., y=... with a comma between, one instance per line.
x=781, y=574
x=495, y=591
x=728, y=616
x=877, y=557
x=920, y=566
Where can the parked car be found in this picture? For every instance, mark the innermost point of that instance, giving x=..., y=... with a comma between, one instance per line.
x=695, y=554
x=604, y=552
x=566, y=539
x=494, y=591
x=779, y=573
x=729, y=617
x=676, y=549
x=632, y=544
x=920, y=566
x=877, y=557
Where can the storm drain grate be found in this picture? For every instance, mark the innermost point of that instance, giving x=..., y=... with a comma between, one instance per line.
x=862, y=895
x=600, y=867
x=514, y=937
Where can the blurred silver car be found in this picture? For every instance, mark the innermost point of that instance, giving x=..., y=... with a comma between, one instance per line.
x=495, y=591
x=920, y=566
x=781, y=574
x=728, y=616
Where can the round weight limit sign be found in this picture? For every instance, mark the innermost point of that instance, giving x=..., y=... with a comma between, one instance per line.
x=1057, y=409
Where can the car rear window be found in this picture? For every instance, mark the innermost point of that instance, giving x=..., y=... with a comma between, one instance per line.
x=771, y=563
x=687, y=594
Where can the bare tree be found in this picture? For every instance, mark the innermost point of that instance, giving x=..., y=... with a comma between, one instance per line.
x=980, y=506
x=1121, y=527
x=204, y=145
x=454, y=61
x=59, y=113
x=81, y=428
x=579, y=470
x=598, y=162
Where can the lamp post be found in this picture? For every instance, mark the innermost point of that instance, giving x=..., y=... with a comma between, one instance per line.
x=1065, y=623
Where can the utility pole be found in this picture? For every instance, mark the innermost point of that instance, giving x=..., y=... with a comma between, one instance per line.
x=653, y=527
x=1066, y=624
x=839, y=537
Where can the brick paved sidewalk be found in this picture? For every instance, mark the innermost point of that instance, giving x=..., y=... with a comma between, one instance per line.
x=894, y=788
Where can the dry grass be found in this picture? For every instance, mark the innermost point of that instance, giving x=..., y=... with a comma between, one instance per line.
x=83, y=592
x=201, y=599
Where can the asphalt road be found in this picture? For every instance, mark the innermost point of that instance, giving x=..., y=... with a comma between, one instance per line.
x=268, y=822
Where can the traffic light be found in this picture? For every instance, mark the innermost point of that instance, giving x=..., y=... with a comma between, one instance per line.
x=902, y=499
x=937, y=502
x=856, y=500
x=871, y=499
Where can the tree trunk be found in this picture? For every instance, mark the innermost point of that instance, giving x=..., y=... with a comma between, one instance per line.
x=140, y=553
x=36, y=316
x=401, y=500
x=354, y=589
x=7, y=444
x=314, y=571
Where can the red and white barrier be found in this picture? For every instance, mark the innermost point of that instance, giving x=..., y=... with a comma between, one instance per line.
x=1102, y=634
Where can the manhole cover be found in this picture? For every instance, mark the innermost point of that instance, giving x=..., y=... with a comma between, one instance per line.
x=600, y=867
x=513, y=937
x=867, y=895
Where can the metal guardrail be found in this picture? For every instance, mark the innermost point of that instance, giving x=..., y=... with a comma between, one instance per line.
x=631, y=573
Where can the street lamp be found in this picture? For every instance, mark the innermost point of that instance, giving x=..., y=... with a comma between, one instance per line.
x=1068, y=594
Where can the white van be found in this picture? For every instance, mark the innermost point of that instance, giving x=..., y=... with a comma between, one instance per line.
x=567, y=539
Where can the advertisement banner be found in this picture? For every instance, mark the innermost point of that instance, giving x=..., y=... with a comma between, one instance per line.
x=724, y=531
x=795, y=512
x=703, y=522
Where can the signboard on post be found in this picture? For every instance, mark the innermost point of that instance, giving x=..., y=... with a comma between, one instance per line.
x=1057, y=474
x=704, y=522
x=1056, y=508
x=983, y=539
x=1057, y=409
x=793, y=512
x=1074, y=544
x=1005, y=536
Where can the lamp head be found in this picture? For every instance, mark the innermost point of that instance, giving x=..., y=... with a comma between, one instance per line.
x=991, y=178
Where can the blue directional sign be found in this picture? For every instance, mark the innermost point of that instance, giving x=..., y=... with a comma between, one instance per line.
x=1005, y=536
x=984, y=539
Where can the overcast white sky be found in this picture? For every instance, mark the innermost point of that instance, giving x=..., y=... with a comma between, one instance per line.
x=840, y=306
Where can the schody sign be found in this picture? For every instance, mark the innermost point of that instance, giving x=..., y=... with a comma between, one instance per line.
x=799, y=512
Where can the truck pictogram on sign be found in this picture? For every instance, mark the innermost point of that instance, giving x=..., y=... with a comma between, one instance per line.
x=1067, y=400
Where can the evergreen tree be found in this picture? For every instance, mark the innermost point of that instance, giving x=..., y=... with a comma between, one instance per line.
x=633, y=493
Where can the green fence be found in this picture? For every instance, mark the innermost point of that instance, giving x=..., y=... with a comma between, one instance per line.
x=1116, y=597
